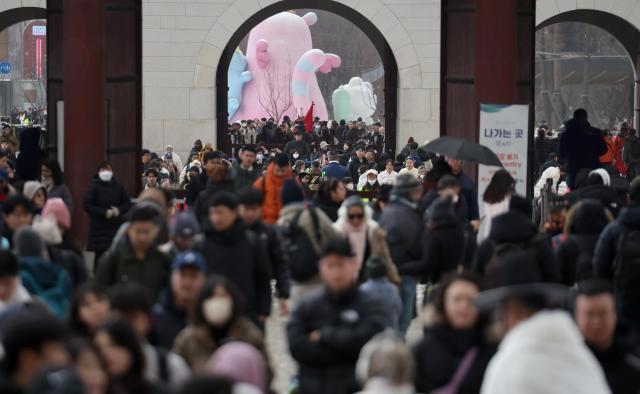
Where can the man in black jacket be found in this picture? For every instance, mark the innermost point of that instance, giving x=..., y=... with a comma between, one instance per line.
x=356, y=162
x=244, y=172
x=199, y=183
x=237, y=253
x=250, y=211
x=328, y=328
x=616, y=350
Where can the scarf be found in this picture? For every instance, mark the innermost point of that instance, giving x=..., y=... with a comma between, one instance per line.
x=358, y=241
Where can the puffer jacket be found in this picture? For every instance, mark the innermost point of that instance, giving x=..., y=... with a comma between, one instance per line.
x=97, y=200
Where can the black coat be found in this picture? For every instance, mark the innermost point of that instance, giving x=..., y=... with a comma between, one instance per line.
x=444, y=247
x=168, y=320
x=440, y=352
x=237, y=254
x=346, y=322
x=196, y=185
x=404, y=227
x=28, y=164
x=97, y=200
x=354, y=164
x=278, y=260
x=621, y=364
x=243, y=178
x=581, y=146
x=330, y=208
x=574, y=258
x=515, y=228
x=201, y=204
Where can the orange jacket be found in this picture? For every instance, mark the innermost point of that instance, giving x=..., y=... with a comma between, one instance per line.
x=271, y=185
x=611, y=151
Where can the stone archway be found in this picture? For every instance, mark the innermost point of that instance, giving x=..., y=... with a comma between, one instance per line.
x=12, y=13
x=620, y=18
x=417, y=87
x=364, y=24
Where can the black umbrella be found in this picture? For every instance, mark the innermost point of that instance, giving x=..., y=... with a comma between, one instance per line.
x=462, y=149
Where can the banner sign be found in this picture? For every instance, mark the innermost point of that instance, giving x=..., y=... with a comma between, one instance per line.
x=39, y=30
x=505, y=130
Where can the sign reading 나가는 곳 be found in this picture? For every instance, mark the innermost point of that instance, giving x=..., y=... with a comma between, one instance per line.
x=504, y=130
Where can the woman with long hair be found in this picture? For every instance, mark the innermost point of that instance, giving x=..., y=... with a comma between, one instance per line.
x=496, y=200
x=330, y=196
x=88, y=310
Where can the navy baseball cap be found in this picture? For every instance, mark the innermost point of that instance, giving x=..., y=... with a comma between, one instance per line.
x=189, y=259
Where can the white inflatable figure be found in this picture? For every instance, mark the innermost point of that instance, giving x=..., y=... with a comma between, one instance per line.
x=362, y=101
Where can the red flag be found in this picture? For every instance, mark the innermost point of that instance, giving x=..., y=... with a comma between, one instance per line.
x=308, y=119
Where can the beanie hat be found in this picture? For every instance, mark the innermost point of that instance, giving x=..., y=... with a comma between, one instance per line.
x=184, y=224
x=440, y=209
x=376, y=267
x=47, y=228
x=57, y=208
x=406, y=184
x=27, y=242
x=291, y=192
x=30, y=189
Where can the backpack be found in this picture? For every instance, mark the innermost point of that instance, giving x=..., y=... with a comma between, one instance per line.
x=303, y=258
x=627, y=265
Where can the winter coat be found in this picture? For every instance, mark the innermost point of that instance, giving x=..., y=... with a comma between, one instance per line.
x=71, y=262
x=238, y=254
x=40, y=276
x=461, y=207
x=243, y=178
x=177, y=370
x=119, y=264
x=168, y=319
x=544, y=354
x=12, y=140
x=325, y=226
x=346, y=322
x=468, y=190
x=445, y=247
x=28, y=164
x=621, y=363
x=354, y=164
x=200, y=207
x=388, y=295
x=195, y=344
x=627, y=153
x=439, y=353
x=62, y=191
x=335, y=170
x=403, y=225
x=376, y=241
x=195, y=187
x=610, y=155
x=607, y=246
x=330, y=208
x=581, y=148
x=574, y=258
x=278, y=260
x=271, y=185
x=605, y=194
x=20, y=296
x=100, y=197
x=517, y=229
x=618, y=143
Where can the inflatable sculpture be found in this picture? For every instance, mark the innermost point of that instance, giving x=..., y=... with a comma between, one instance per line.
x=354, y=100
x=282, y=64
x=236, y=77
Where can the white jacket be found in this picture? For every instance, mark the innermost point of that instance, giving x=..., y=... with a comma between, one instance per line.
x=552, y=173
x=544, y=354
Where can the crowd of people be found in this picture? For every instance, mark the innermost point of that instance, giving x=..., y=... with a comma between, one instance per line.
x=177, y=300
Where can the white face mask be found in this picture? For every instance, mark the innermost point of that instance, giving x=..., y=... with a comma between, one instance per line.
x=296, y=155
x=217, y=311
x=371, y=181
x=455, y=199
x=164, y=171
x=349, y=186
x=260, y=157
x=105, y=175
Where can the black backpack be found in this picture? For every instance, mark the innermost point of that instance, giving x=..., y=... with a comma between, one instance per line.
x=627, y=265
x=303, y=258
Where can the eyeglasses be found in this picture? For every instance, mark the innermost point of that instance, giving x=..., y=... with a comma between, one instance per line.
x=355, y=216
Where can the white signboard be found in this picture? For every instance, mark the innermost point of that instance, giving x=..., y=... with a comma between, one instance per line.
x=39, y=30
x=504, y=130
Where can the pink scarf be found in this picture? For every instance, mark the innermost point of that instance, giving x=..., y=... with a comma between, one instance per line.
x=358, y=241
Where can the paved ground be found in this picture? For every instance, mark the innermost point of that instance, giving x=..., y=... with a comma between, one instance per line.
x=284, y=367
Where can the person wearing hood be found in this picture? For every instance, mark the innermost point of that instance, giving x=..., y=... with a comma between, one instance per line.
x=220, y=317
x=515, y=230
x=368, y=182
x=106, y=202
x=237, y=253
x=12, y=292
x=244, y=172
x=270, y=184
x=318, y=233
x=542, y=350
x=366, y=237
x=454, y=352
x=36, y=193
x=40, y=276
x=402, y=221
x=580, y=146
x=177, y=304
x=585, y=221
x=617, y=256
x=328, y=328
x=385, y=366
x=598, y=187
x=135, y=257
x=609, y=340
x=53, y=181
